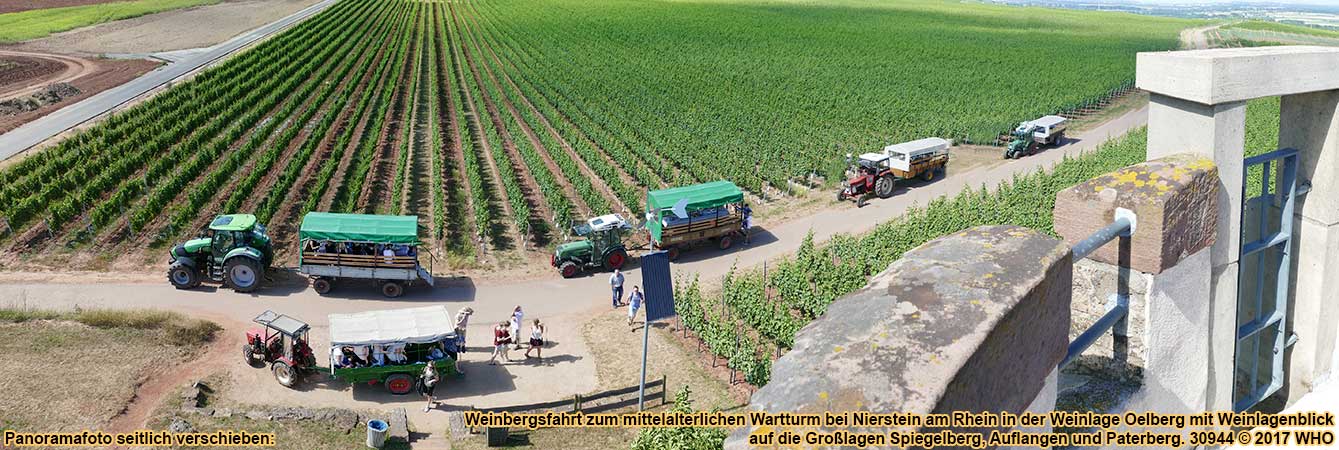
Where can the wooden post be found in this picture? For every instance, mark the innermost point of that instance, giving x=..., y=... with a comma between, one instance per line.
x=576, y=402
x=663, y=387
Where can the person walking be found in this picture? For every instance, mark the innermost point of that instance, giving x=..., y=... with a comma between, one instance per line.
x=517, y=318
x=536, y=340
x=747, y=223
x=462, y=325
x=428, y=383
x=616, y=284
x=500, y=341
x=634, y=303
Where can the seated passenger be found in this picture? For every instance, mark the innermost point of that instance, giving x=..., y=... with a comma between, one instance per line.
x=401, y=250
x=379, y=356
x=436, y=352
x=352, y=357
x=397, y=355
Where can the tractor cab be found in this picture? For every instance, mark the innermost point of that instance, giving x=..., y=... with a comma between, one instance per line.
x=281, y=342
x=601, y=246
x=234, y=250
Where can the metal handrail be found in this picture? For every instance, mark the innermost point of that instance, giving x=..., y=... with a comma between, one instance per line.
x=1118, y=305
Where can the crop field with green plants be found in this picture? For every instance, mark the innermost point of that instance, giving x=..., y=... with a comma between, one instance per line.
x=753, y=317
x=497, y=122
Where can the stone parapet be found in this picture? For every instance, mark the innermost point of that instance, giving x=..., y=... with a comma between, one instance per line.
x=973, y=321
x=1175, y=199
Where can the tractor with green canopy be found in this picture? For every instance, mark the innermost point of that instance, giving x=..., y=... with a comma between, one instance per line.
x=380, y=248
x=681, y=217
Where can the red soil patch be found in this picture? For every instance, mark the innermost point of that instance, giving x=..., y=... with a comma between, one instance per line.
x=9, y=6
x=108, y=74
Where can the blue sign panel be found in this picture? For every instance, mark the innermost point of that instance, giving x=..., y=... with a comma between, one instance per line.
x=659, y=286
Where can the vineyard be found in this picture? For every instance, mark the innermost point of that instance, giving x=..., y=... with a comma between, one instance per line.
x=497, y=122
x=755, y=314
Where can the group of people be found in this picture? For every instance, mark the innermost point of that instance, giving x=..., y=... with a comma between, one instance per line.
x=359, y=248
x=635, y=298
x=351, y=356
x=507, y=335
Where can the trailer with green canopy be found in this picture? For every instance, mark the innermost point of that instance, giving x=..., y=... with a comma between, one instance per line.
x=380, y=248
x=681, y=217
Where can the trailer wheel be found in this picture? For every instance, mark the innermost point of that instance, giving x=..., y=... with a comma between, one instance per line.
x=615, y=259
x=673, y=253
x=392, y=289
x=399, y=383
x=928, y=175
x=884, y=186
x=183, y=276
x=568, y=269
x=725, y=242
x=322, y=286
x=284, y=374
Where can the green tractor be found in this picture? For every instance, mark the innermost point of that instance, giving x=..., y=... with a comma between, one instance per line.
x=234, y=251
x=602, y=246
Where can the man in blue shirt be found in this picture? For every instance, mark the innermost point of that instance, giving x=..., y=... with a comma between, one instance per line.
x=616, y=283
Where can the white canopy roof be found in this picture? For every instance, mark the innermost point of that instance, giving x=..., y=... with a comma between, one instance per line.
x=407, y=326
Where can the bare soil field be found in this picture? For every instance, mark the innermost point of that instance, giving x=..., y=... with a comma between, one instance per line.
x=10, y=6
x=196, y=27
x=96, y=75
x=22, y=73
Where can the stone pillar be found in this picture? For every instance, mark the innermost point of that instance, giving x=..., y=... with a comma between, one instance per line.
x=1175, y=200
x=1310, y=123
x=957, y=324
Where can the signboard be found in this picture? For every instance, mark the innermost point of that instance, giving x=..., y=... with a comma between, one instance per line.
x=659, y=286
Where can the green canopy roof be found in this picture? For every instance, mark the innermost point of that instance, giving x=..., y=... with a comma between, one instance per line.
x=360, y=228
x=700, y=196
x=233, y=222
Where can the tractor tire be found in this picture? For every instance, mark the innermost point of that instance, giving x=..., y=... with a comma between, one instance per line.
x=928, y=175
x=399, y=383
x=284, y=374
x=569, y=269
x=249, y=355
x=861, y=202
x=615, y=259
x=243, y=274
x=672, y=253
x=183, y=276
x=725, y=242
x=884, y=186
x=392, y=289
x=841, y=196
x=322, y=286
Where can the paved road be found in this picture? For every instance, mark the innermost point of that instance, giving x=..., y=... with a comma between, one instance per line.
x=33, y=133
x=563, y=304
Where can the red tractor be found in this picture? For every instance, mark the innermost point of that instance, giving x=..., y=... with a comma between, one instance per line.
x=878, y=173
x=282, y=344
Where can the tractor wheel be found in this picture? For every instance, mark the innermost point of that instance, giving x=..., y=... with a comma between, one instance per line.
x=928, y=175
x=183, y=276
x=284, y=374
x=725, y=242
x=399, y=383
x=569, y=269
x=884, y=186
x=672, y=253
x=244, y=274
x=322, y=286
x=249, y=355
x=615, y=259
x=392, y=289
x=860, y=202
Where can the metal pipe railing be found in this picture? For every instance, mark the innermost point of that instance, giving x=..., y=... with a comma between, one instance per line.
x=1118, y=305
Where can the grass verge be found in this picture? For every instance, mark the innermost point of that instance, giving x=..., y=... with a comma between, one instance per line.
x=77, y=370
x=25, y=25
